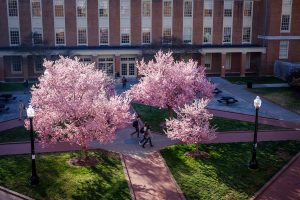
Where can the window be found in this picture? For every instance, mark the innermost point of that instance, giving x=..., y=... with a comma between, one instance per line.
x=16, y=64
x=85, y=60
x=103, y=35
x=246, y=34
x=146, y=35
x=106, y=64
x=14, y=36
x=59, y=8
x=207, y=35
x=81, y=34
x=187, y=35
x=125, y=36
x=103, y=8
x=227, y=8
x=59, y=36
x=248, y=59
x=228, y=61
x=13, y=8
x=38, y=64
x=36, y=8
x=287, y=2
x=227, y=35
x=128, y=66
x=208, y=59
x=285, y=23
x=124, y=8
x=37, y=36
x=167, y=9
x=283, y=49
x=146, y=8
x=81, y=8
x=208, y=6
x=188, y=8
x=167, y=35
x=248, y=8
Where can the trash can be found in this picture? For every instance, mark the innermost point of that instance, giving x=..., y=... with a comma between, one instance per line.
x=249, y=84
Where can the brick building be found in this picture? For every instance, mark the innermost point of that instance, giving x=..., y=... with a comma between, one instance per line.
x=244, y=36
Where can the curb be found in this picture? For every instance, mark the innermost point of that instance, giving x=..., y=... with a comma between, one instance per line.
x=16, y=194
x=275, y=177
x=126, y=173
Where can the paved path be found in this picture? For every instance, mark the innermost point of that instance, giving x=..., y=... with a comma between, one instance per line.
x=270, y=85
x=285, y=185
x=245, y=104
x=150, y=178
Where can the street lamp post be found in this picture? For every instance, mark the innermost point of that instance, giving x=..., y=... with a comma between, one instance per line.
x=253, y=163
x=34, y=179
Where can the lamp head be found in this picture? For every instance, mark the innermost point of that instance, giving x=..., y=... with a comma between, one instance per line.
x=30, y=111
x=257, y=102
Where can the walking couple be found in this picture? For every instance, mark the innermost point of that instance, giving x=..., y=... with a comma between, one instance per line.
x=145, y=130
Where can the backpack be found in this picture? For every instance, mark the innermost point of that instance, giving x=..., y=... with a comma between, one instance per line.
x=135, y=123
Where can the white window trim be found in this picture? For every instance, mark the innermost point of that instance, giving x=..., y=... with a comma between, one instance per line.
x=18, y=6
x=287, y=53
x=192, y=9
x=150, y=37
x=104, y=44
x=163, y=35
x=65, y=36
x=250, y=35
x=36, y=71
x=125, y=44
x=82, y=44
x=184, y=35
x=128, y=62
x=212, y=9
x=230, y=35
x=172, y=9
x=99, y=10
x=211, y=28
x=143, y=10
x=42, y=36
x=64, y=10
x=36, y=17
x=210, y=61
x=106, y=62
x=289, y=13
x=228, y=60
x=10, y=44
x=11, y=67
x=81, y=17
x=290, y=20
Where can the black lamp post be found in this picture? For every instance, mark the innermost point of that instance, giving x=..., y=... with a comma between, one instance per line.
x=34, y=179
x=253, y=163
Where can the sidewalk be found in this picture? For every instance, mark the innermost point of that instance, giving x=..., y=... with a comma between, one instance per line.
x=285, y=185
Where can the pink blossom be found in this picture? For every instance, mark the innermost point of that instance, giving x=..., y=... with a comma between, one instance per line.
x=192, y=123
x=76, y=103
x=166, y=83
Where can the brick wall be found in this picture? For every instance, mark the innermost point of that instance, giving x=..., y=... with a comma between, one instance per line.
x=198, y=22
x=177, y=19
x=114, y=22
x=25, y=23
x=156, y=21
x=218, y=22
x=48, y=22
x=70, y=16
x=237, y=24
x=136, y=22
x=4, y=39
x=92, y=20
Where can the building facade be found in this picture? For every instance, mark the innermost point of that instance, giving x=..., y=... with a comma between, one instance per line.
x=226, y=36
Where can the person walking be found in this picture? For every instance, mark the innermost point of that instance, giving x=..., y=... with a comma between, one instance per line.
x=136, y=125
x=147, y=137
x=21, y=109
x=26, y=86
x=124, y=81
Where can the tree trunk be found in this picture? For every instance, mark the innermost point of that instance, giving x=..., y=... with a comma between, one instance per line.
x=170, y=112
x=84, y=152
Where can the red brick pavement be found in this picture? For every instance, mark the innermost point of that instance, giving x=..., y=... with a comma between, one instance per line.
x=285, y=185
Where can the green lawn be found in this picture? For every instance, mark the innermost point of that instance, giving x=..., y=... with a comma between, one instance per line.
x=284, y=96
x=255, y=80
x=7, y=87
x=19, y=134
x=155, y=117
x=224, y=175
x=59, y=180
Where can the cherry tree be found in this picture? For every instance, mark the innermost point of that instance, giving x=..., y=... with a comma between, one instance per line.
x=170, y=84
x=192, y=123
x=76, y=103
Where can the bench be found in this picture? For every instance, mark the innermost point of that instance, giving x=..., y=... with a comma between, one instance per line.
x=217, y=91
x=227, y=100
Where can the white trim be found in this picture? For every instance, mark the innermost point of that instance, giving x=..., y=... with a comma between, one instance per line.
x=233, y=50
x=287, y=50
x=289, y=37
